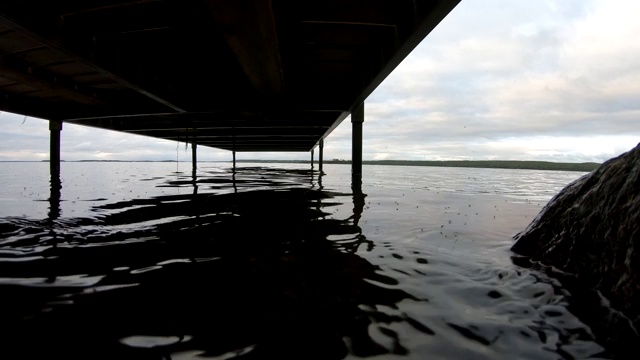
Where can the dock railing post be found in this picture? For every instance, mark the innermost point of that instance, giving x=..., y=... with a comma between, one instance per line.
x=357, y=118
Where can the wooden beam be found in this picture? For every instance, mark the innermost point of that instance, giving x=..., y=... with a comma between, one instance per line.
x=266, y=149
x=54, y=42
x=250, y=30
x=13, y=74
x=200, y=134
x=266, y=140
x=290, y=115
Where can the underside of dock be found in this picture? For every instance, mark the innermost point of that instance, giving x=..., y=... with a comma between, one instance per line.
x=239, y=75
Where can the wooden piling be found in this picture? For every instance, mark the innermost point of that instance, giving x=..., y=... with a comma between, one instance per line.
x=321, y=154
x=357, y=118
x=194, y=157
x=54, y=147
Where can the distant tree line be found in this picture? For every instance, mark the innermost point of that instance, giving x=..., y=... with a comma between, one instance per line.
x=486, y=164
x=496, y=164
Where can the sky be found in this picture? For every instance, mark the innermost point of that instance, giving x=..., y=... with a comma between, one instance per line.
x=496, y=80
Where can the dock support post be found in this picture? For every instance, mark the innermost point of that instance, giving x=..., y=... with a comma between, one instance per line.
x=321, y=154
x=312, y=158
x=54, y=167
x=233, y=149
x=54, y=147
x=194, y=157
x=357, y=118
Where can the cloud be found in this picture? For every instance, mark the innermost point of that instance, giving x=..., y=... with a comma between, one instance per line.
x=497, y=74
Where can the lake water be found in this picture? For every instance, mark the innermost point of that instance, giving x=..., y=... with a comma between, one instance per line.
x=273, y=261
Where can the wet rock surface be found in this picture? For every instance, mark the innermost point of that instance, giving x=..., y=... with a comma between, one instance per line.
x=591, y=229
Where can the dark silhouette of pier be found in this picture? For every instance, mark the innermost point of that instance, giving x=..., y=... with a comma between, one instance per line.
x=249, y=75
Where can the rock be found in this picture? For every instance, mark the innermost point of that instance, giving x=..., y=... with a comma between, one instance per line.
x=591, y=229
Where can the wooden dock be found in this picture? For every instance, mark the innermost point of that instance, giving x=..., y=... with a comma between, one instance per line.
x=239, y=75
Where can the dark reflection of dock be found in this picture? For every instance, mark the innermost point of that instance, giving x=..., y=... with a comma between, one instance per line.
x=204, y=273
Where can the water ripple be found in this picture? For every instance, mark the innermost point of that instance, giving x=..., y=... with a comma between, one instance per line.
x=265, y=262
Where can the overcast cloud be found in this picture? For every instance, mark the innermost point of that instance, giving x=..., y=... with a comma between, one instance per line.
x=497, y=79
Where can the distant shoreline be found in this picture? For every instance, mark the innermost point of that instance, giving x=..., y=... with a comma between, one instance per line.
x=482, y=164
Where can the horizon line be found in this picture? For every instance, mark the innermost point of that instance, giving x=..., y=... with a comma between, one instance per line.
x=340, y=161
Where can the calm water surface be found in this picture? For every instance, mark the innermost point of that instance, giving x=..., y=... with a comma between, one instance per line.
x=145, y=261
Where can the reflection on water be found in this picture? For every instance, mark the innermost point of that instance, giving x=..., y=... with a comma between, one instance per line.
x=54, y=199
x=266, y=263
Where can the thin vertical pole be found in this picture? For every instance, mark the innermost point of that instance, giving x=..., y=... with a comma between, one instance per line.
x=312, y=158
x=54, y=147
x=194, y=156
x=357, y=118
x=234, y=159
x=54, y=166
x=321, y=154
